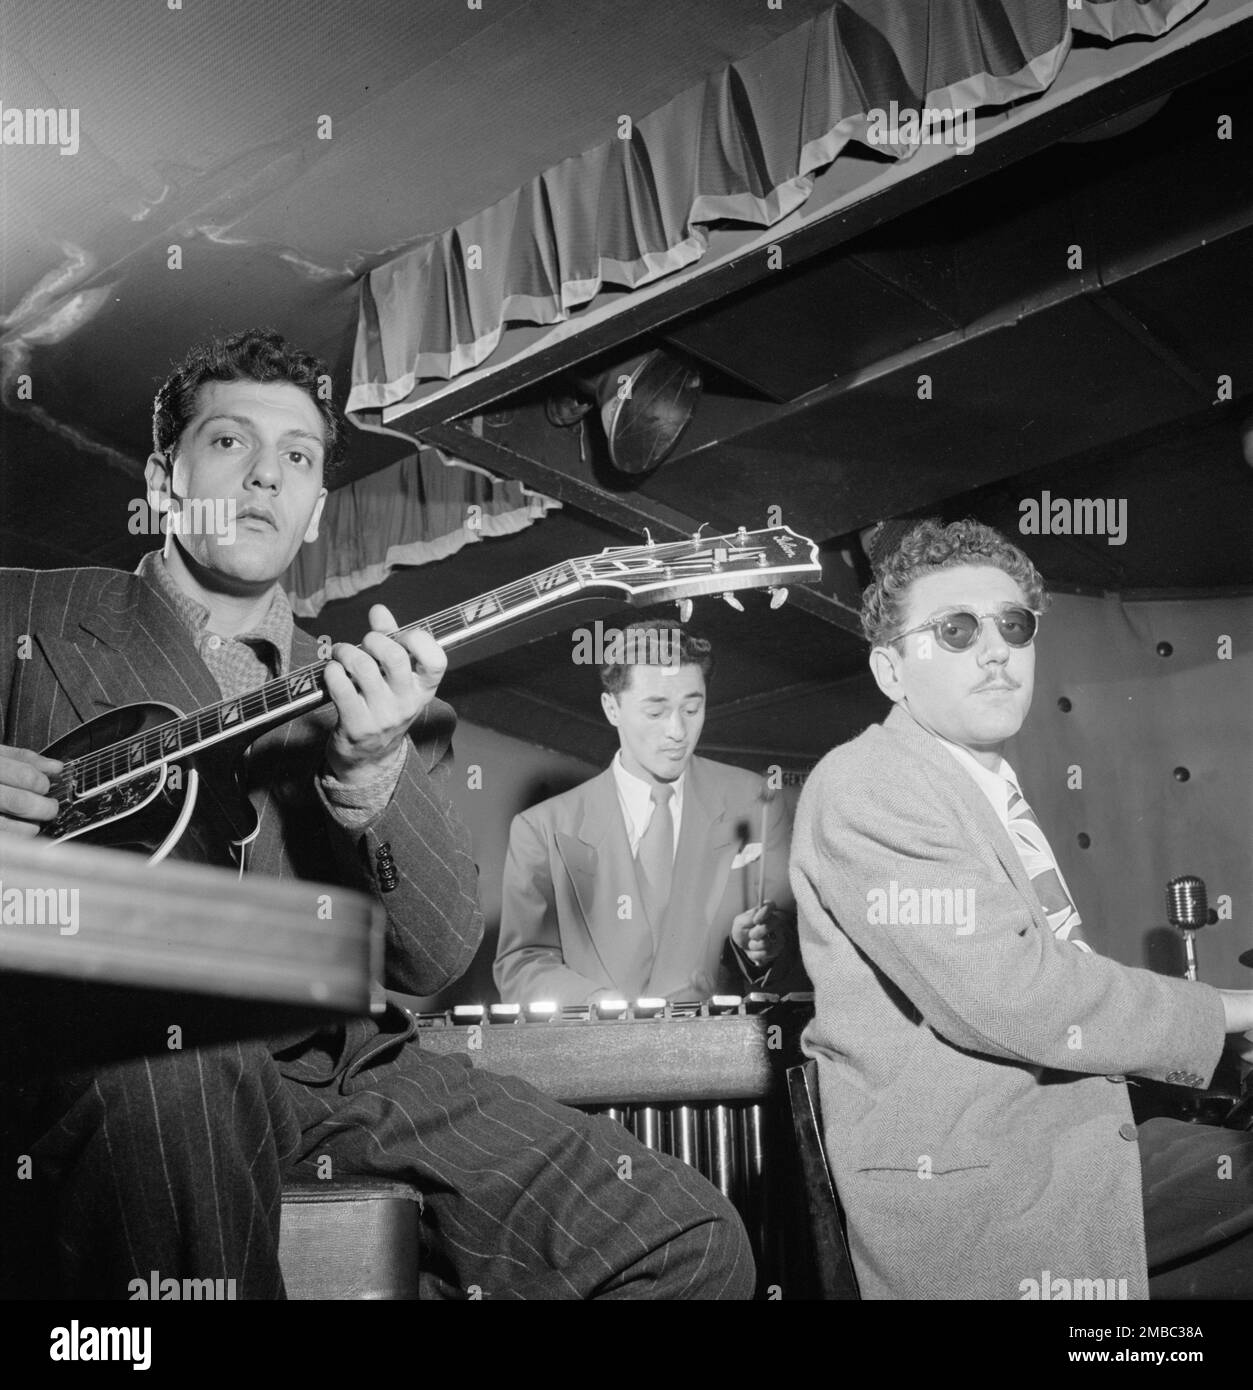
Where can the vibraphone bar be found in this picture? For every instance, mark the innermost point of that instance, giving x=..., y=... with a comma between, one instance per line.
x=701, y=1081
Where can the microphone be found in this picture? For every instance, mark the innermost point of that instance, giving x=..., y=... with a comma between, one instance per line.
x=1187, y=909
x=1186, y=905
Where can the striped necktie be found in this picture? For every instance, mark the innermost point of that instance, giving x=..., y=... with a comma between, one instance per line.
x=1046, y=878
x=655, y=856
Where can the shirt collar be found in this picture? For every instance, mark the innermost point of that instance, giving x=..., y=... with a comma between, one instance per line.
x=636, y=794
x=275, y=628
x=993, y=783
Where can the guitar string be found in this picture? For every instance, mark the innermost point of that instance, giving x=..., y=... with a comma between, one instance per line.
x=451, y=620
x=445, y=623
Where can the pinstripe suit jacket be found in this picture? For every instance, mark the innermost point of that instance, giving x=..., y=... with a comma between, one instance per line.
x=78, y=642
x=975, y=1123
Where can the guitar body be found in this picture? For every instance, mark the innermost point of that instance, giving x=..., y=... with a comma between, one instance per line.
x=193, y=808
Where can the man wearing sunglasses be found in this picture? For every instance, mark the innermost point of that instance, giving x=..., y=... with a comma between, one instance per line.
x=971, y=1048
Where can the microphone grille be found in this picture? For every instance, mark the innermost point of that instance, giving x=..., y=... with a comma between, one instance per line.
x=1186, y=904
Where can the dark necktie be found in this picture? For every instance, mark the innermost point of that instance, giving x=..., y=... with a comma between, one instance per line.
x=655, y=856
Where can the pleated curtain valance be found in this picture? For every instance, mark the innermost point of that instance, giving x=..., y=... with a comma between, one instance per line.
x=741, y=146
x=422, y=508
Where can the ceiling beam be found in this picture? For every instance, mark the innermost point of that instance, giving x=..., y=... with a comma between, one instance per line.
x=1095, y=286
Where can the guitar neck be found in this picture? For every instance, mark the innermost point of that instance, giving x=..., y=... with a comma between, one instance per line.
x=634, y=574
x=304, y=689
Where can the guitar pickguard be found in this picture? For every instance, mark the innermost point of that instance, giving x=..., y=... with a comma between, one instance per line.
x=88, y=813
x=159, y=811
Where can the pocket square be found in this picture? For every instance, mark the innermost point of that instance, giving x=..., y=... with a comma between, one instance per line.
x=747, y=855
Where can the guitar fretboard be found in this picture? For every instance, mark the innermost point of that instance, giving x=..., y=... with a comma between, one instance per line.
x=302, y=689
x=645, y=573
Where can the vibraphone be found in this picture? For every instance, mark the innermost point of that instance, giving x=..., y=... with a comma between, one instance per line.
x=703, y=1082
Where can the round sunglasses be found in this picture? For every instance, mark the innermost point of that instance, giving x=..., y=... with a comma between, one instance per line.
x=958, y=630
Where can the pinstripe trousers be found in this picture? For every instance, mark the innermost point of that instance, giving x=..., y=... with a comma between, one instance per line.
x=175, y=1163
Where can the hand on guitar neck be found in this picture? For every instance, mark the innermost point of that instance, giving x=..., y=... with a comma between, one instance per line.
x=24, y=802
x=379, y=689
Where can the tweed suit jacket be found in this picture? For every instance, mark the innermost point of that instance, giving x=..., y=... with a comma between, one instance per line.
x=975, y=1118
x=78, y=642
x=569, y=864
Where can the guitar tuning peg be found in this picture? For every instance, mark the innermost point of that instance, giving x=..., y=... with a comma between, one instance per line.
x=684, y=605
x=734, y=602
x=778, y=597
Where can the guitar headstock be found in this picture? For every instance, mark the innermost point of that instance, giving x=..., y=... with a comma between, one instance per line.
x=768, y=559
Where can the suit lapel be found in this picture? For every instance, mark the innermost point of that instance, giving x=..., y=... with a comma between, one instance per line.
x=978, y=807
x=126, y=647
x=597, y=858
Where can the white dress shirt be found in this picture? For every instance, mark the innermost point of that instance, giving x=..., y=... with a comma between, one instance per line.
x=994, y=785
x=635, y=796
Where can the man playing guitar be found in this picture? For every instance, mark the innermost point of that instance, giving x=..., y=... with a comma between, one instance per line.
x=175, y=1162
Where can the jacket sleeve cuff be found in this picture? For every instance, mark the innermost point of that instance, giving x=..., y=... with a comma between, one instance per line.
x=354, y=807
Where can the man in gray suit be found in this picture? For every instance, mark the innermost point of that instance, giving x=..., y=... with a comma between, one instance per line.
x=971, y=1049
x=654, y=878
x=175, y=1162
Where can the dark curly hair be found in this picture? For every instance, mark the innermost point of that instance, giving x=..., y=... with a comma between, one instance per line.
x=258, y=354
x=653, y=637
x=930, y=546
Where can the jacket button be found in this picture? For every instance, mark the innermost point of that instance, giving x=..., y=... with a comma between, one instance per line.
x=1119, y=1079
x=1127, y=1130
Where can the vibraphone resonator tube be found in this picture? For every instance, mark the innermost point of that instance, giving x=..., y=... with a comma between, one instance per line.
x=699, y=1081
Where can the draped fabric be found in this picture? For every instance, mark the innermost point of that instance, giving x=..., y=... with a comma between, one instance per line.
x=741, y=146
x=422, y=508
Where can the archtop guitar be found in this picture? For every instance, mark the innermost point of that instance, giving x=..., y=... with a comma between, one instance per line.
x=149, y=778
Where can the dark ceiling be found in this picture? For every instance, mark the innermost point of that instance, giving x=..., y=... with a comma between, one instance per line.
x=1103, y=381
x=1094, y=380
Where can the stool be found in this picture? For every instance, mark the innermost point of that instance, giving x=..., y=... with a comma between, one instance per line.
x=351, y=1238
x=837, y=1278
